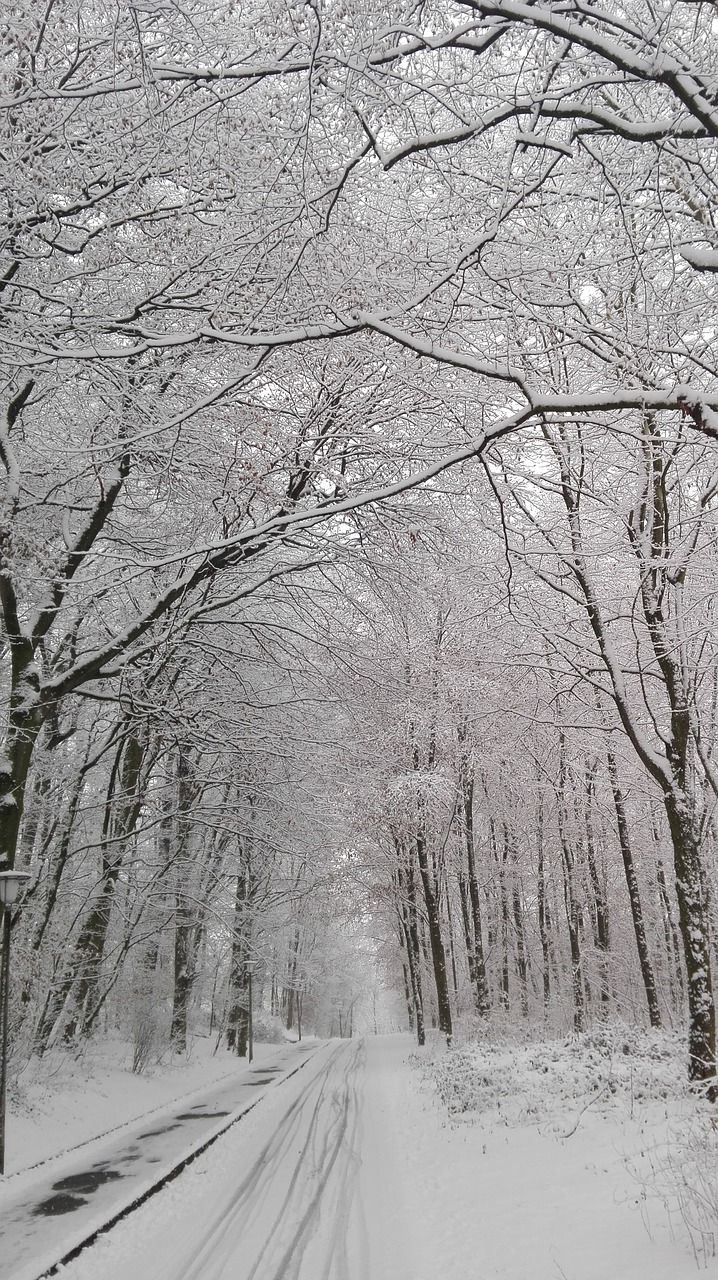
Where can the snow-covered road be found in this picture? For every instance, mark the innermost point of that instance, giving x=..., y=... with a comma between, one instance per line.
x=289, y=1213
x=349, y=1170
x=52, y=1207
x=303, y=1189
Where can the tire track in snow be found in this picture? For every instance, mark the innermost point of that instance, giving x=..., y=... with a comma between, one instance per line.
x=289, y=1217
x=58, y=1257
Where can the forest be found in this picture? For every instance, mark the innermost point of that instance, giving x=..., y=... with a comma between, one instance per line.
x=359, y=445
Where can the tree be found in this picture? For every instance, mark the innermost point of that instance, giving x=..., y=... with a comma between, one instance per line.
x=635, y=630
x=248, y=295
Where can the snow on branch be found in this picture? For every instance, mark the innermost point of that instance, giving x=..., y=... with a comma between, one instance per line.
x=702, y=259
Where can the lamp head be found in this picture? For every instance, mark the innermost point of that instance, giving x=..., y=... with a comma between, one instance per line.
x=11, y=882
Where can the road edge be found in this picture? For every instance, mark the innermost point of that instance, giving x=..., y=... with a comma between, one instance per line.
x=51, y=1266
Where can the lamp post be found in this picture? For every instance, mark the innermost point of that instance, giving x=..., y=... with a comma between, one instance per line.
x=11, y=882
x=250, y=1020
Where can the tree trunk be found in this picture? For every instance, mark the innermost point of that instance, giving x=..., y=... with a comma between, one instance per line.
x=479, y=982
x=410, y=923
x=602, y=937
x=290, y=988
x=673, y=946
x=468, y=933
x=521, y=952
x=90, y=946
x=543, y=908
x=452, y=948
x=569, y=891
x=433, y=922
x=185, y=910
x=692, y=916
x=238, y=1016
x=73, y=997
x=505, y=923
x=639, y=928
x=25, y=720
x=408, y=997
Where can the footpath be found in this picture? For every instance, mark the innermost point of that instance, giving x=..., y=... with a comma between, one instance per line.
x=50, y=1211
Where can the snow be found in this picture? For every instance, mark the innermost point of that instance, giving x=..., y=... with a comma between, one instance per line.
x=547, y=1081
x=53, y=1206
x=63, y=1102
x=355, y=1169
x=703, y=259
x=554, y=1157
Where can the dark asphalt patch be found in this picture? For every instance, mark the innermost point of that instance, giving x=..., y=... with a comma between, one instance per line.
x=65, y=1203
x=72, y=1191
x=55, y=1205
x=85, y=1183
x=201, y=1115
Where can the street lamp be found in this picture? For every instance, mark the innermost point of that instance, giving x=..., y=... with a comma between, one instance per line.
x=11, y=882
x=250, y=1020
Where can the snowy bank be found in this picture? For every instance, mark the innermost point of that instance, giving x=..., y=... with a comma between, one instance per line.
x=617, y=1098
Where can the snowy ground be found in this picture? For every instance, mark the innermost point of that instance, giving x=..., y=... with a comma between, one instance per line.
x=63, y=1102
x=51, y=1207
x=570, y=1160
x=356, y=1169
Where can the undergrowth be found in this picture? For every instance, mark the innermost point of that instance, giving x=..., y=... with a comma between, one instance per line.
x=636, y=1080
x=513, y=1083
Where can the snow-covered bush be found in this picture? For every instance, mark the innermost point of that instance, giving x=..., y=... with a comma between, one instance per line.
x=266, y=1028
x=680, y=1176
x=519, y=1082
x=616, y=1072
